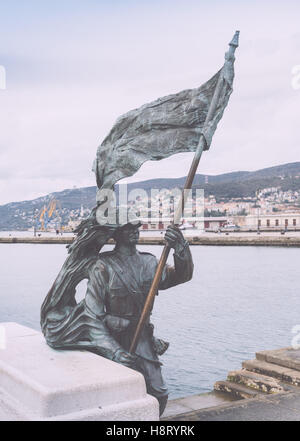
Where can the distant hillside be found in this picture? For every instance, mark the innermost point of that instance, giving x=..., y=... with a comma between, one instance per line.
x=242, y=184
x=21, y=215
x=236, y=184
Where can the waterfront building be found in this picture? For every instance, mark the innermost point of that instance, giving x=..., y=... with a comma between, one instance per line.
x=198, y=223
x=281, y=220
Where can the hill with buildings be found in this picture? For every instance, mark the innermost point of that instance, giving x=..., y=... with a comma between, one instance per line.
x=272, y=187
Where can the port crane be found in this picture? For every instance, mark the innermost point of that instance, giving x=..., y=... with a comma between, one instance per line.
x=46, y=213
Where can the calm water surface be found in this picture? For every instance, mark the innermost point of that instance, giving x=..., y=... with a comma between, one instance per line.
x=241, y=300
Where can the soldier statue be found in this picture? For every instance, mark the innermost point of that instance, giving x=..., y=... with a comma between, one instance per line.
x=104, y=322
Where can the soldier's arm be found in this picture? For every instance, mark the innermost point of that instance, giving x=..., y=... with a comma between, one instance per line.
x=182, y=271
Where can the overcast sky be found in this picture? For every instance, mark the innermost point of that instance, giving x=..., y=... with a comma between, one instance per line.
x=73, y=67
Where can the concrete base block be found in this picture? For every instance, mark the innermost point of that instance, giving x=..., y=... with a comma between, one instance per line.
x=40, y=383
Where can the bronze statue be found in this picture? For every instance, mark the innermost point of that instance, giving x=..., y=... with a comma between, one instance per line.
x=114, y=318
x=118, y=282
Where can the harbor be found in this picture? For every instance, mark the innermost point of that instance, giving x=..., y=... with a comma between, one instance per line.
x=238, y=303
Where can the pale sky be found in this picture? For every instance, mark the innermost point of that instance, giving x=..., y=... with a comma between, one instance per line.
x=72, y=67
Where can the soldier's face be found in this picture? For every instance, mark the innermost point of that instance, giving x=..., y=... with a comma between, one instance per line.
x=130, y=234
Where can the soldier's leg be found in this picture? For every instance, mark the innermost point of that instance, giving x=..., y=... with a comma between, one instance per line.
x=154, y=382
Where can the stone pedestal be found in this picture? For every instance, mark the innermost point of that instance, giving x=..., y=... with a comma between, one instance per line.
x=39, y=383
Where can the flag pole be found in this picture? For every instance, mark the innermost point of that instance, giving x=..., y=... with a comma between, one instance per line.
x=188, y=185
